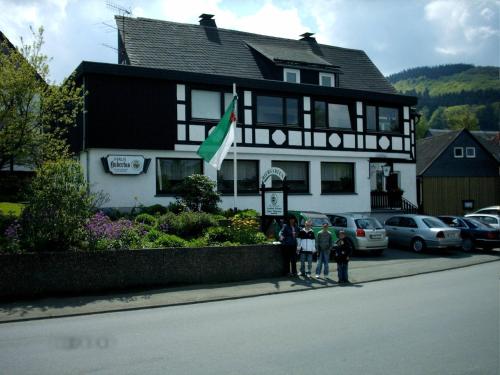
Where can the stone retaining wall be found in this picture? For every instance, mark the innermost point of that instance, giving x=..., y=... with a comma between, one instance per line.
x=73, y=273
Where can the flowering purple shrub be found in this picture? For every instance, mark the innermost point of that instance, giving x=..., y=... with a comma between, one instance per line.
x=12, y=231
x=100, y=227
x=12, y=237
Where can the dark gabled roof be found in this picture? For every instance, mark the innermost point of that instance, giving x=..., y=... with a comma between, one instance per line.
x=490, y=143
x=199, y=49
x=429, y=149
x=5, y=45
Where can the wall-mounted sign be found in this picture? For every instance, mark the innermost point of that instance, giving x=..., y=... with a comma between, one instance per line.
x=125, y=164
x=468, y=204
x=274, y=203
x=274, y=171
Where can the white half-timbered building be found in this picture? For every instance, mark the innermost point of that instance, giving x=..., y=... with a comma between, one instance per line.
x=324, y=114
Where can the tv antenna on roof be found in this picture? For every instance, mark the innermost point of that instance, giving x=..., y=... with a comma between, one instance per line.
x=122, y=11
x=118, y=8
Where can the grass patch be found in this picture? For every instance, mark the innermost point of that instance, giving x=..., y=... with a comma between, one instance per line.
x=8, y=208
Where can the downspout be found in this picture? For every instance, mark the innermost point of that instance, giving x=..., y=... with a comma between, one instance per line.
x=84, y=135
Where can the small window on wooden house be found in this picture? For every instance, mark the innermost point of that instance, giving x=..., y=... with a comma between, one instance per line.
x=458, y=152
x=327, y=79
x=470, y=152
x=291, y=75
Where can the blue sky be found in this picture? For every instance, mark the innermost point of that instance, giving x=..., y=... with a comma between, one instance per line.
x=396, y=34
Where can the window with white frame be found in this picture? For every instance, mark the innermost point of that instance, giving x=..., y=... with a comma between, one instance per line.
x=248, y=177
x=277, y=110
x=209, y=105
x=470, y=152
x=291, y=75
x=327, y=79
x=382, y=119
x=337, y=177
x=331, y=115
x=458, y=152
x=297, y=175
x=171, y=171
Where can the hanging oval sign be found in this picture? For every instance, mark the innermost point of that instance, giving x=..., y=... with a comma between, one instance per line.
x=274, y=171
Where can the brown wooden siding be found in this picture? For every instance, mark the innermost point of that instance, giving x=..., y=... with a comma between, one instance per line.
x=444, y=195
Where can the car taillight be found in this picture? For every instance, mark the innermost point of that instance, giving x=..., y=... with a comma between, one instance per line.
x=492, y=235
x=360, y=233
x=440, y=235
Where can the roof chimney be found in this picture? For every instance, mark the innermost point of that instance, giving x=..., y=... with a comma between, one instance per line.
x=308, y=37
x=207, y=20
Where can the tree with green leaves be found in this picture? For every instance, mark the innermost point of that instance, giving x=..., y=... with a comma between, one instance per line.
x=461, y=117
x=198, y=193
x=35, y=114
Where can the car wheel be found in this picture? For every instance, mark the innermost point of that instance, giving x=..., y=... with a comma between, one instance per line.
x=468, y=245
x=418, y=245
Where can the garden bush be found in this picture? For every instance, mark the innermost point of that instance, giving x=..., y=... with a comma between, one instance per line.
x=58, y=207
x=170, y=240
x=199, y=194
x=177, y=207
x=186, y=224
x=218, y=235
x=198, y=242
x=156, y=209
x=245, y=230
x=149, y=221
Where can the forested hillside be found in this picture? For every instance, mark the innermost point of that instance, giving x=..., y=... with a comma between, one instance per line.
x=453, y=96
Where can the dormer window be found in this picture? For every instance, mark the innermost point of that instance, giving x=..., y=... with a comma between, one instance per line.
x=291, y=75
x=327, y=79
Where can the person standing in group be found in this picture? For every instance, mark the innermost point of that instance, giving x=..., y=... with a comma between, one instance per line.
x=288, y=237
x=306, y=247
x=324, y=244
x=343, y=250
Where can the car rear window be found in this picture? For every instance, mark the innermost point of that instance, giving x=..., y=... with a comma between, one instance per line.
x=477, y=224
x=489, y=211
x=487, y=219
x=368, y=223
x=434, y=223
x=319, y=221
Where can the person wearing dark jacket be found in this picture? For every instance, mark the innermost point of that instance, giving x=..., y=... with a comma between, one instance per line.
x=288, y=238
x=343, y=250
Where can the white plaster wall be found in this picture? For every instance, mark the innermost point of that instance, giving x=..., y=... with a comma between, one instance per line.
x=408, y=180
x=128, y=191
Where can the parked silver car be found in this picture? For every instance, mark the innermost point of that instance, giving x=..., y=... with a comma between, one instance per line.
x=490, y=219
x=365, y=233
x=492, y=210
x=420, y=232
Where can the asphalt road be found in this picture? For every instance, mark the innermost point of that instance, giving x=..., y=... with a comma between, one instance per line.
x=440, y=323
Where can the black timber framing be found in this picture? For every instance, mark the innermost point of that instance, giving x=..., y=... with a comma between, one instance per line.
x=87, y=67
x=147, y=118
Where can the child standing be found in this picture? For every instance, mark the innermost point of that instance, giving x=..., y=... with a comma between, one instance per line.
x=324, y=244
x=343, y=250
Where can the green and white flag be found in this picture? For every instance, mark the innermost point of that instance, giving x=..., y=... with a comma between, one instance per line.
x=215, y=148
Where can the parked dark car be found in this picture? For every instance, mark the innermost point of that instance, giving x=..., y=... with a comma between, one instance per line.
x=474, y=233
x=420, y=232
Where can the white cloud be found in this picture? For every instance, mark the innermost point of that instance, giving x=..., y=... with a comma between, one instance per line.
x=487, y=13
x=395, y=34
x=462, y=26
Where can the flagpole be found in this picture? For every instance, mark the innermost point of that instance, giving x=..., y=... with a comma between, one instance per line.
x=235, y=169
